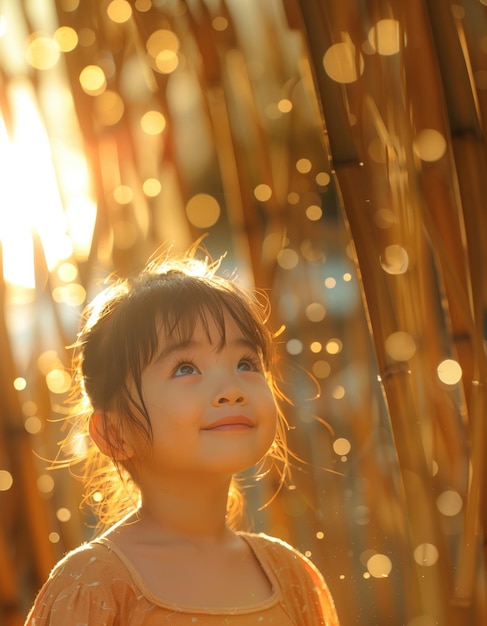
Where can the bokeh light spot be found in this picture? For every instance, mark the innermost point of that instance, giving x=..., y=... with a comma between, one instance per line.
x=384, y=218
x=163, y=46
x=426, y=554
x=262, y=192
x=29, y=408
x=449, y=503
x=294, y=346
x=153, y=122
x=20, y=384
x=315, y=312
x=341, y=446
x=287, y=258
x=109, y=108
x=338, y=392
x=70, y=5
x=67, y=272
x=394, y=260
x=385, y=37
x=203, y=210
x=314, y=212
x=119, y=11
x=86, y=37
x=123, y=194
x=400, y=346
x=33, y=425
x=303, y=166
x=361, y=515
x=72, y=295
x=161, y=40
x=343, y=63
x=151, y=187
x=219, y=23
x=293, y=197
x=92, y=80
x=321, y=369
x=58, y=381
x=45, y=483
x=285, y=105
x=379, y=566
x=429, y=145
x=334, y=346
x=6, y=480
x=63, y=514
x=323, y=179
x=449, y=372
x=143, y=5
x=66, y=38
x=47, y=361
x=167, y=61
x=42, y=52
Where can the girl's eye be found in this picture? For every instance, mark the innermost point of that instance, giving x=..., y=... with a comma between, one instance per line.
x=249, y=364
x=186, y=369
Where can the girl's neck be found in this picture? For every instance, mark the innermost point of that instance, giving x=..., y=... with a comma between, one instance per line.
x=192, y=515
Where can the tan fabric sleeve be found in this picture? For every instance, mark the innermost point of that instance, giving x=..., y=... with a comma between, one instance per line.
x=326, y=601
x=85, y=588
x=306, y=595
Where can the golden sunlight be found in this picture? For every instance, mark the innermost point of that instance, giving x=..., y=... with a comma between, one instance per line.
x=30, y=194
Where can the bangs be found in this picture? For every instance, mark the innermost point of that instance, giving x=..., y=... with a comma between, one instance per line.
x=175, y=309
x=136, y=318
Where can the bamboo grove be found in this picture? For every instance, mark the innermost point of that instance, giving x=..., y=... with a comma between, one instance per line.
x=335, y=153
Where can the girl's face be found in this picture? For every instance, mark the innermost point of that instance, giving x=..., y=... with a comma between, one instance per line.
x=212, y=411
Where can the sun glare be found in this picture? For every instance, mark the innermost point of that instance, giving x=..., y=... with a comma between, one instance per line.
x=30, y=196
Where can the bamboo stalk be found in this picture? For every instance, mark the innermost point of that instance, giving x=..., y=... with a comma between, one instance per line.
x=424, y=527
x=382, y=307
x=224, y=77
x=32, y=509
x=471, y=166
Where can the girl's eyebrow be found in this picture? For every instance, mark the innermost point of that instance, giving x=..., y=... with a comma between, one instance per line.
x=191, y=343
x=244, y=343
x=174, y=347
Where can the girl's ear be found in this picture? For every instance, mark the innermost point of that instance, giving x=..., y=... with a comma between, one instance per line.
x=108, y=438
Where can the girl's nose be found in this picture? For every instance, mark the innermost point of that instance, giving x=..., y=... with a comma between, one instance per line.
x=231, y=397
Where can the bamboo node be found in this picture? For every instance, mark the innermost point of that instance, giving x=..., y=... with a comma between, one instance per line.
x=393, y=370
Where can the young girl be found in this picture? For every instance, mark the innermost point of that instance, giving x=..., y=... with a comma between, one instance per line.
x=174, y=368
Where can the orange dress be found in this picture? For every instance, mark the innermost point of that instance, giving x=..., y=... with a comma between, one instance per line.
x=96, y=585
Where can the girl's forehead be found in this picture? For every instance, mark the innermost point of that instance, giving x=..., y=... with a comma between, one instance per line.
x=203, y=327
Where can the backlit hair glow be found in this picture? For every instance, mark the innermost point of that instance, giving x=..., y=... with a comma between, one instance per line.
x=120, y=336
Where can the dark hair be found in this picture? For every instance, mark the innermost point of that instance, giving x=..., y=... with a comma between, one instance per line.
x=119, y=338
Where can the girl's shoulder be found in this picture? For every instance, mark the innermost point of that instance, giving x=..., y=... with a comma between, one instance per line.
x=88, y=582
x=282, y=558
x=275, y=548
x=92, y=564
x=294, y=571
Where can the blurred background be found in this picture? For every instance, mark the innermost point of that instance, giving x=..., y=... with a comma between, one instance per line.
x=335, y=152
